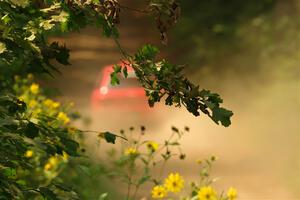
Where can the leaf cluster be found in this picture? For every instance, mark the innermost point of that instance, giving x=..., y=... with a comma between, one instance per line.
x=34, y=148
x=164, y=80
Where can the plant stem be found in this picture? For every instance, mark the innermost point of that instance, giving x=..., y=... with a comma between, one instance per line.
x=135, y=192
x=128, y=190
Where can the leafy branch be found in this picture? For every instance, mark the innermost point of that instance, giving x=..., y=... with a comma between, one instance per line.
x=162, y=79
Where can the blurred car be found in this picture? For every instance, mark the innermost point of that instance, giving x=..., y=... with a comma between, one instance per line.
x=128, y=95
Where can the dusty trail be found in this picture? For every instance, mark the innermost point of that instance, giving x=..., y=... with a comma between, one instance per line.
x=259, y=153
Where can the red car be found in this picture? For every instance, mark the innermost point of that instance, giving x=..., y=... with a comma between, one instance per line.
x=129, y=94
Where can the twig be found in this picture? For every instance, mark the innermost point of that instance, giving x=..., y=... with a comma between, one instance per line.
x=122, y=51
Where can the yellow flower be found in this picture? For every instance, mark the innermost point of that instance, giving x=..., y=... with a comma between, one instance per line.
x=199, y=161
x=48, y=102
x=159, y=192
x=28, y=154
x=232, y=193
x=152, y=146
x=34, y=88
x=55, y=105
x=63, y=117
x=21, y=98
x=65, y=157
x=51, y=104
x=207, y=193
x=174, y=182
x=52, y=162
x=32, y=103
x=131, y=151
x=48, y=166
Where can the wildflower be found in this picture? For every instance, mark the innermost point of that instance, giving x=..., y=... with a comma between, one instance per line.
x=182, y=156
x=131, y=151
x=28, y=153
x=52, y=162
x=65, y=156
x=159, y=192
x=48, y=102
x=32, y=103
x=232, y=193
x=63, y=117
x=48, y=166
x=199, y=161
x=214, y=158
x=152, y=146
x=55, y=105
x=186, y=128
x=207, y=193
x=174, y=182
x=34, y=88
x=38, y=111
x=51, y=104
x=21, y=98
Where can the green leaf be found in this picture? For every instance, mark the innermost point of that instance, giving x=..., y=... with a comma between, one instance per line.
x=125, y=72
x=21, y=3
x=49, y=194
x=109, y=137
x=31, y=130
x=85, y=169
x=147, y=52
x=222, y=115
x=114, y=80
x=21, y=182
x=2, y=47
x=103, y=196
x=6, y=19
x=60, y=52
x=10, y=172
x=117, y=69
x=71, y=146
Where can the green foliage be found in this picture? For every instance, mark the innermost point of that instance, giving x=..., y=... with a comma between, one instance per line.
x=35, y=144
x=163, y=79
x=37, y=140
x=137, y=163
x=25, y=25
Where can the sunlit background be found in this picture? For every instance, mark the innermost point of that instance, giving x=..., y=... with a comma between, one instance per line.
x=248, y=52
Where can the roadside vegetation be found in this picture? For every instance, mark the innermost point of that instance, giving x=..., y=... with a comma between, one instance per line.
x=42, y=154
